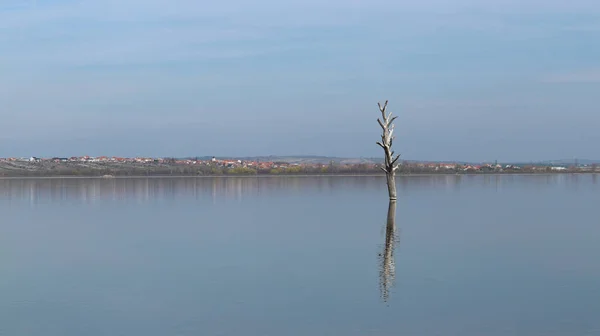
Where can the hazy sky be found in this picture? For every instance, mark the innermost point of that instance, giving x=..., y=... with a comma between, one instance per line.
x=469, y=79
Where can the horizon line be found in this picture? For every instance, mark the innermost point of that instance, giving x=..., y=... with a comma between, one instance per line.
x=574, y=160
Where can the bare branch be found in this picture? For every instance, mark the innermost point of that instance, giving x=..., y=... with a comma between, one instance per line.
x=385, y=170
x=381, y=124
x=382, y=109
x=380, y=145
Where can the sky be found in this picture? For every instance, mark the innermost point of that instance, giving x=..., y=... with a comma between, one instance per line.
x=468, y=79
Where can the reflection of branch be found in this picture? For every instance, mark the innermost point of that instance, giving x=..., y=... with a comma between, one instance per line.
x=388, y=272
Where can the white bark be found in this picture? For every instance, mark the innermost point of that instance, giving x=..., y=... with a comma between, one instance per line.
x=387, y=139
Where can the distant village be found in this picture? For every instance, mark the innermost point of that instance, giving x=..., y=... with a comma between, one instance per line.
x=88, y=165
x=226, y=163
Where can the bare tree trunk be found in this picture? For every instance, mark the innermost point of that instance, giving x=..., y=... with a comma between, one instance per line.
x=387, y=138
x=391, y=184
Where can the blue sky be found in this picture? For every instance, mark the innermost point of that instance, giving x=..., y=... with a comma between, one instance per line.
x=469, y=79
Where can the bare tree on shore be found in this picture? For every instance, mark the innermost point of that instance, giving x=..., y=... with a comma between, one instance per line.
x=387, y=138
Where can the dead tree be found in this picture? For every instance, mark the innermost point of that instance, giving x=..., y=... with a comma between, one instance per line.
x=387, y=138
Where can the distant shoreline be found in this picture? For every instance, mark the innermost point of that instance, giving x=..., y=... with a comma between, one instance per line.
x=121, y=177
x=169, y=168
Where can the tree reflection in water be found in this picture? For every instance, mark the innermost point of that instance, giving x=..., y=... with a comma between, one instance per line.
x=387, y=271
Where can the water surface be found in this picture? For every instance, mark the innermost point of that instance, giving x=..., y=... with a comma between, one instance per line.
x=473, y=255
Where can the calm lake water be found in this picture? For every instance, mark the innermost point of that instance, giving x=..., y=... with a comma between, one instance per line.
x=473, y=255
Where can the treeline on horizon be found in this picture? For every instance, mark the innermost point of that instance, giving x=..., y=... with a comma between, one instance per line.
x=215, y=170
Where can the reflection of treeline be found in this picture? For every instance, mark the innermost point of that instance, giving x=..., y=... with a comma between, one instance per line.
x=526, y=169
x=215, y=170
x=187, y=170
